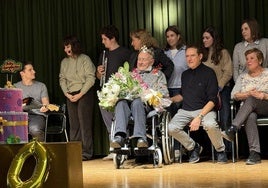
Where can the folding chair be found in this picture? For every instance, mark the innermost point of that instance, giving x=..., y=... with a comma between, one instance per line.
x=56, y=123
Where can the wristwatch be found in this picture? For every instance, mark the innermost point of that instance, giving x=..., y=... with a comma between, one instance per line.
x=200, y=116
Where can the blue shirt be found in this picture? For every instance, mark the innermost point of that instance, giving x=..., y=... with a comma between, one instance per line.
x=180, y=65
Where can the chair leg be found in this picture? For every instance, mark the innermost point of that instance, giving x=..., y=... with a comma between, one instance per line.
x=45, y=136
x=212, y=153
x=236, y=143
x=180, y=160
x=233, y=151
x=66, y=135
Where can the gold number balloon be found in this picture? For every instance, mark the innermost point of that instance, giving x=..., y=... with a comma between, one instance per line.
x=41, y=169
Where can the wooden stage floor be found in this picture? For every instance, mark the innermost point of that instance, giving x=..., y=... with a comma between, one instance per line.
x=102, y=174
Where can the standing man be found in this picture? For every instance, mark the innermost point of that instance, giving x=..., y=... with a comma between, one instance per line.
x=37, y=91
x=199, y=97
x=110, y=60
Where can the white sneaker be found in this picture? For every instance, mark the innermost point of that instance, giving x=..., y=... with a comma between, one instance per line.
x=108, y=157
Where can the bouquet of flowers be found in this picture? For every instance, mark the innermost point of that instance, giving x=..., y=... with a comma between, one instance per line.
x=129, y=85
x=120, y=85
x=155, y=99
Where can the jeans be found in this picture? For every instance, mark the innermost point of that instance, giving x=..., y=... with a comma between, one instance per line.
x=123, y=110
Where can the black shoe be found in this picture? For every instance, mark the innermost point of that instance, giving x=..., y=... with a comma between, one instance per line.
x=254, y=158
x=231, y=132
x=117, y=142
x=222, y=157
x=194, y=154
x=142, y=143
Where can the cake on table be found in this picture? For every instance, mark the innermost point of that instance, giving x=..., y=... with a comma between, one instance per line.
x=14, y=122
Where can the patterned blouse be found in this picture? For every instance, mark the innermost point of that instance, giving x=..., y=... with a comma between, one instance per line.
x=245, y=83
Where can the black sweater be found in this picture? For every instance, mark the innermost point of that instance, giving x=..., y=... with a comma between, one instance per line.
x=199, y=86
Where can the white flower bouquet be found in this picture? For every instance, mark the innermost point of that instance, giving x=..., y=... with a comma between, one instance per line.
x=120, y=85
x=129, y=85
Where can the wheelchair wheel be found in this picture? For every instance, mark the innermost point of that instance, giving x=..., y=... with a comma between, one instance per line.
x=157, y=157
x=167, y=141
x=118, y=160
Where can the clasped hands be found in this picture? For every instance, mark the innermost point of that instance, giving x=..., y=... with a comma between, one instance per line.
x=74, y=98
x=257, y=94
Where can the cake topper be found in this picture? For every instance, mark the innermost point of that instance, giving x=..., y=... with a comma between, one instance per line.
x=10, y=67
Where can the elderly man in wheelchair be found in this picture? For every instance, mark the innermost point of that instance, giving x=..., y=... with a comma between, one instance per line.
x=151, y=78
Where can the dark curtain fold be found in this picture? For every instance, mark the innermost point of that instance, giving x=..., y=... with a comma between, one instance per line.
x=34, y=29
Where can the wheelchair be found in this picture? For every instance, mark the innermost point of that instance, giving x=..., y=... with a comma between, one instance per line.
x=161, y=144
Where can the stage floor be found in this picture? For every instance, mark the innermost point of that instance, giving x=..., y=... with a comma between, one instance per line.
x=98, y=173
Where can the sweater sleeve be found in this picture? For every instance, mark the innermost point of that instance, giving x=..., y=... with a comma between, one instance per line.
x=162, y=84
x=212, y=87
x=89, y=73
x=235, y=63
x=161, y=59
x=227, y=69
x=237, y=86
x=62, y=78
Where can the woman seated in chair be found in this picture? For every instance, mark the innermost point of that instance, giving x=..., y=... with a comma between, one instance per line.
x=154, y=79
x=252, y=89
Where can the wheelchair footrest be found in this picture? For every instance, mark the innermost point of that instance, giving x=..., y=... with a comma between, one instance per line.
x=122, y=151
x=142, y=151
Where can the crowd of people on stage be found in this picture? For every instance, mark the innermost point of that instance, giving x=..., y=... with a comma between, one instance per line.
x=200, y=80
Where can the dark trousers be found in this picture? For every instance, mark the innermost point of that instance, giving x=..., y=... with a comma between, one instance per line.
x=81, y=122
x=225, y=111
x=36, y=126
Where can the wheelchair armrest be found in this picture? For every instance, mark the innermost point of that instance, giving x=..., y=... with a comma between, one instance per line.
x=152, y=113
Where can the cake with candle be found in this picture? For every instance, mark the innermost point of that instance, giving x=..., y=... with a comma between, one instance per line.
x=13, y=121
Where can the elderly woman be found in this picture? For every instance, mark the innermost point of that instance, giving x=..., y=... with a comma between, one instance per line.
x=252, y=89
x=155, y=80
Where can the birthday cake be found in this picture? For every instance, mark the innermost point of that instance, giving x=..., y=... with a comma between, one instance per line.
x=10, y=100
x=14, y=122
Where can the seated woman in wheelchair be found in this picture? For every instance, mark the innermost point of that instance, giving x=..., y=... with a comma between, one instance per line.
x=251, y=88
x=151, y=78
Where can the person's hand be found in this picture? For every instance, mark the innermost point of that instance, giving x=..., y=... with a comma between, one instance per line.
x=43, y=109
x=257, y=94
x=100, y=71
x=75, y=98
x=195, y=124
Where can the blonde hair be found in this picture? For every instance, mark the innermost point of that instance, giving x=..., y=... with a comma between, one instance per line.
x=146, y=38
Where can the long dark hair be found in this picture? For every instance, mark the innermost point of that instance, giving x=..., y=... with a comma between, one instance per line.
x=176, y=30
x=74, y=42
x=217, y=46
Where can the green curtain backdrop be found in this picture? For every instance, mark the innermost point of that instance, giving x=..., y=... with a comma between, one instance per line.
x=34, y=29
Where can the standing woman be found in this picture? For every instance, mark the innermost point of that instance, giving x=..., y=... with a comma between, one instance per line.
x=251, y=39
x=141, y=38
x=218, y=58
x=77, y=77
x=175, y=50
